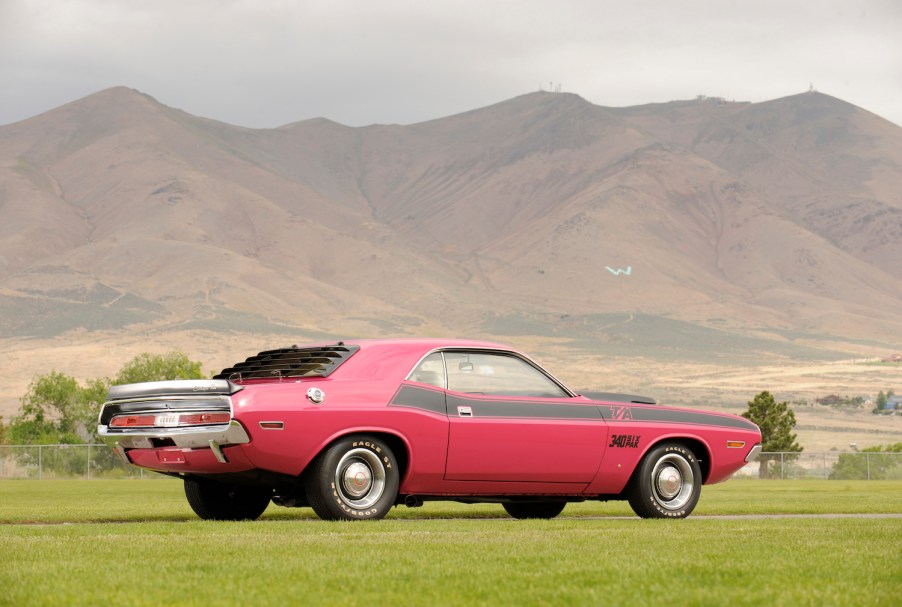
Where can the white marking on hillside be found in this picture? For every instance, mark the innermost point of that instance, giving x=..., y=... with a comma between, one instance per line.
x=628, y=271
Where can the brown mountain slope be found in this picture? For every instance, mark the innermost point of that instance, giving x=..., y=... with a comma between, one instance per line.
x=166, y=214
x=825, y=164
x=543, y=214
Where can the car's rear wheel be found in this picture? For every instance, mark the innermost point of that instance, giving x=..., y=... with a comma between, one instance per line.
x=667, y=483
x=356, y=478
x=534, y=509
x=224, y=502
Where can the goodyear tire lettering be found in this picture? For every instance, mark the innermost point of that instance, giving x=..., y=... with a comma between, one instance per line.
x=331, y=500
x=667, y=482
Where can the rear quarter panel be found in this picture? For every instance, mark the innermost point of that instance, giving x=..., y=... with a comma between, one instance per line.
x=350, y=406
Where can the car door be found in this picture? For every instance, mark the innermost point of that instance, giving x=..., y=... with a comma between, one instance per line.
x=509, y=421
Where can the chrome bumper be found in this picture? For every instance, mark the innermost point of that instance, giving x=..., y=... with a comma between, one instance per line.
x=753, y=453
x=189, y=438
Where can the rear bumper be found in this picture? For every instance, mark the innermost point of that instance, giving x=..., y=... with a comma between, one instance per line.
x=208, y=439
x=191, y=461
x=178, y=449
x=190, y=438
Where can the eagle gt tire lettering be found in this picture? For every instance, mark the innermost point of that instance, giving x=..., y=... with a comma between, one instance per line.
x=667, y=483
x=355, y=478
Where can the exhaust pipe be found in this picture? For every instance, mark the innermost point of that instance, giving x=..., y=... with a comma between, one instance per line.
x=412, y=501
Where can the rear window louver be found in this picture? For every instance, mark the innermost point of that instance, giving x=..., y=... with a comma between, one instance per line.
x=290, y=362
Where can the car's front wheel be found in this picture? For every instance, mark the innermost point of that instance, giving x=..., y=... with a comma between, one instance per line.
x=534, y=509
x=224, y=502
x=667, y=483
x=356, y=478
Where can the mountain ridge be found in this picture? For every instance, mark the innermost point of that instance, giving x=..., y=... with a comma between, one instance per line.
x=125, y=214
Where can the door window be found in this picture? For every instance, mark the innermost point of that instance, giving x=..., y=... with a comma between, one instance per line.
x=494, y=374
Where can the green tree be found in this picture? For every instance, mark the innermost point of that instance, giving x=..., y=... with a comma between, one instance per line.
x=880, y=403
x=874, y=463
x=159, y=367
x=57, y=409
x=776, y=421
x=53, y=410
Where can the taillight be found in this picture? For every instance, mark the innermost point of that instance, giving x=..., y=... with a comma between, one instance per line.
x=133, y=421
x=170, y=420
x=203, y=419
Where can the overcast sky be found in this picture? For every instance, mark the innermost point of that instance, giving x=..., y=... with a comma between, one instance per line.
x=264, y=63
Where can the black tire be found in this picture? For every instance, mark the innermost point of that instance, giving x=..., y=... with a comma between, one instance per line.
x=534, y=509
x=356, y=478
x=667, y=483
x=224, y=502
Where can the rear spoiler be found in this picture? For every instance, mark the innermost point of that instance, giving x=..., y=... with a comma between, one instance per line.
x=178, y=387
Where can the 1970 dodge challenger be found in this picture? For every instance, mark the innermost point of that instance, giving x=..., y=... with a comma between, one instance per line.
x=354, y=428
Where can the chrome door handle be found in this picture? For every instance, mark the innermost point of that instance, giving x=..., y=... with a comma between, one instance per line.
x=465, y=411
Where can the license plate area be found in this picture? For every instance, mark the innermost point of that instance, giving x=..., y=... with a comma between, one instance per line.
x=168, y=420
x=171, y=457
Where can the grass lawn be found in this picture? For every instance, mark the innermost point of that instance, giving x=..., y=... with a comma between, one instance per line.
x=138, y=543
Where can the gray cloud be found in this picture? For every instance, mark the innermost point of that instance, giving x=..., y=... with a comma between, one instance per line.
x=266, y=63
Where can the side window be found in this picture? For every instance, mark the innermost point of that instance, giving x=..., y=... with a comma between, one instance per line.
x=498, y=375
x=430, y=371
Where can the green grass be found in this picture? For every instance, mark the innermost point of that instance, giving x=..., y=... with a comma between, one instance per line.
x=79, y=501
x=137, y=543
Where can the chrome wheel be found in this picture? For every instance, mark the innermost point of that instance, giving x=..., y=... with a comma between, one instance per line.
x=360, y=478
x=356, y=477
x=673, y=481
x=666, y=483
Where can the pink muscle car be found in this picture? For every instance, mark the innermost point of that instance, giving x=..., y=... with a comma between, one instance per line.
x=354, y=428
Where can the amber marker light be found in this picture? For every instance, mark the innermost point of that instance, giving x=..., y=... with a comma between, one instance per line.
x=735, y=444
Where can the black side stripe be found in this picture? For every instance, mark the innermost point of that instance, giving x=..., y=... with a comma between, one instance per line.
x=676, y=416
x=434, y=400
x=523, y=409
x=419, y=398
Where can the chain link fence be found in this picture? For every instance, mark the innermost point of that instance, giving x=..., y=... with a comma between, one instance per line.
x=40, y=462
x=827, y=465
x=99, y=461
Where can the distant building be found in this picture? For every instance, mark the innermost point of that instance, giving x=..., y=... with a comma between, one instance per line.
x=832, y=400
x=835, y=400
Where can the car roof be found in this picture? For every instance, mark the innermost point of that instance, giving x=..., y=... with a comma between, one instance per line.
x=408, y=351
x=400, y=355
x=420, y=343
x=349, y=358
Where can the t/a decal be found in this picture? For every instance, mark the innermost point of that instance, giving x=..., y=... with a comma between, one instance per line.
x=625, y=441
x=621, y=413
